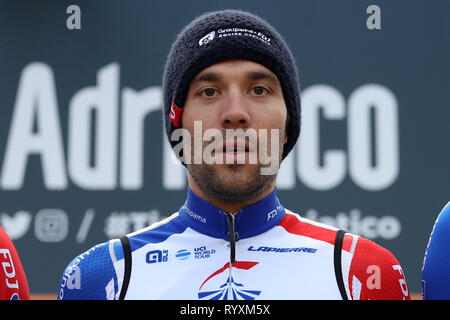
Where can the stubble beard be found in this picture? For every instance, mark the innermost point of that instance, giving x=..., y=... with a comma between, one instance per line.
x=231, y=184
x=234, y=182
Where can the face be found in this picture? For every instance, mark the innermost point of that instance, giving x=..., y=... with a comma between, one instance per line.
x=231, y=97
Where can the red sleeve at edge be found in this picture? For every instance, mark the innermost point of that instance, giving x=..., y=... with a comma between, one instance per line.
x=13, y=282
x=375, y=274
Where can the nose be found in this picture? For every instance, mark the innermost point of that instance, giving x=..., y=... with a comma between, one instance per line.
x=235, y=113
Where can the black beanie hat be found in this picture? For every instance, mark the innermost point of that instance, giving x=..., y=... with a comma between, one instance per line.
x=224, y=35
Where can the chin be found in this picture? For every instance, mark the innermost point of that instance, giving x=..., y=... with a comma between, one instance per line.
x=231, y=182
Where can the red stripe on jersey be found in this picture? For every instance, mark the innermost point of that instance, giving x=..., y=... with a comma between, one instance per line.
x=246, y=265
x=295, y=226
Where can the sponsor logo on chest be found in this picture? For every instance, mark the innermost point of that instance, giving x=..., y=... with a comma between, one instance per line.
x=281, y=250
x=203, y=252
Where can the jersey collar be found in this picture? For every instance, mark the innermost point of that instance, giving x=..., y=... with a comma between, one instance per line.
x=255, y=219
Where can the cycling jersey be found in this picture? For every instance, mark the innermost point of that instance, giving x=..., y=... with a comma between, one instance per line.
x=263, y=251
x=436, y=264
x=13, y=282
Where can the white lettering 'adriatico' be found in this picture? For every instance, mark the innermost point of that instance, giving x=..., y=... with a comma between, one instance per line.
x=114, y=137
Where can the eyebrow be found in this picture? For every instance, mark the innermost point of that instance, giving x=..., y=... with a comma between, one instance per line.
x=208, y=77
x=251, y=75
x=262, y=75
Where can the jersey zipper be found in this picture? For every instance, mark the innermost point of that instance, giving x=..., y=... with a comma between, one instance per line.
x=232, y=237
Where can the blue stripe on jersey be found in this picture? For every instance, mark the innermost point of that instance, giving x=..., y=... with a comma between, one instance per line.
x=157, y=234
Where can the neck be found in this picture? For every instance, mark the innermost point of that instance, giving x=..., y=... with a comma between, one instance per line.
x=231, y=206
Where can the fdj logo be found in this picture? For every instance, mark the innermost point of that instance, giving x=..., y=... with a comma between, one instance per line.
x=157, y=256
x=271, y=214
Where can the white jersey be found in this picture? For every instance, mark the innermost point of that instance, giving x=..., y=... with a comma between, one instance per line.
x=263, y=251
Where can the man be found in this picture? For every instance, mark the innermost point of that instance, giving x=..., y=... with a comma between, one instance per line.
x=436, y=264
x=13, y=282
x=230, y=72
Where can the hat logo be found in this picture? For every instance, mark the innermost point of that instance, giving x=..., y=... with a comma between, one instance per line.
x=206, y=39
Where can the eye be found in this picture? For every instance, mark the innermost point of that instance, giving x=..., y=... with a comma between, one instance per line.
x=208, y=92
x=259, y=91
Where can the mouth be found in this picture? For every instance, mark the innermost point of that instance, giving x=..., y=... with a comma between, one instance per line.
x=235, y=152
x=236, y=146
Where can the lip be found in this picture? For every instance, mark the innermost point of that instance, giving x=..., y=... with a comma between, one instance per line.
x=236, y=147
x=237, y=152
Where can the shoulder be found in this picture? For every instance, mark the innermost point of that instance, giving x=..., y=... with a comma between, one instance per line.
x=435, y=272
x=14, y=284
x=373, y=271
x=296, y=224
x=94, y=274
x=98, y=273
x=441, y=228
x=157, y=232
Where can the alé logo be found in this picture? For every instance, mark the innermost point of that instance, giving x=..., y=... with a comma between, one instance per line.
x=221, y=285
x=156, y=256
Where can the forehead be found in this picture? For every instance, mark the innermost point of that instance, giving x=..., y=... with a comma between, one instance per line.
x=232, y=69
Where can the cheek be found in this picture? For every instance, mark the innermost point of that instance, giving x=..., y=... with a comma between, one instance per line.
x=282, y=119
x=275, y=118
x=187, y=121
x=197, y=113
x=278, y=120
x=189, y=113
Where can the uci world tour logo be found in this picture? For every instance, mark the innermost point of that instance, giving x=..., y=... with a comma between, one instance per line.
x=230, y=290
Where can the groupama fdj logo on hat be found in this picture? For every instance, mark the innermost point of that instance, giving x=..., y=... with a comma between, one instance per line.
x=208, y=38
x=232, y=32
